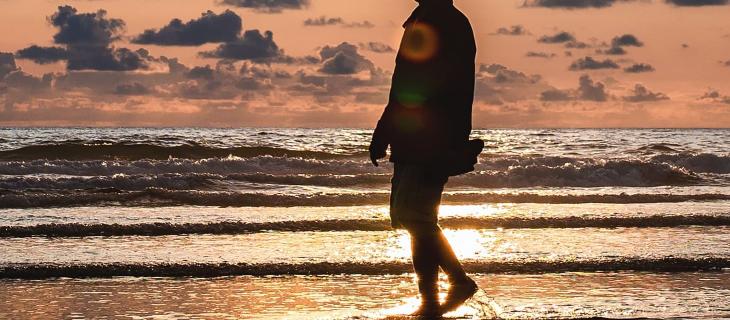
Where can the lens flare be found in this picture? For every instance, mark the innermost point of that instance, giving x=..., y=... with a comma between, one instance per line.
x=420, y=42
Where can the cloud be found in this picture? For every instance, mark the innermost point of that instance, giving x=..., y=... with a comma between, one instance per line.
x=174, y=66
x=560, y=37
x=269, y=6
x=556, y=95
x=497, y=85
x=336, y=21
x=377, y=47
x=182, y=95
x=28, y=82
x=626, y=40
x=516, y=30
x=43, y=55
x=323, y=21
x=209, y=28
x=619, y=42
x=7, y=64
x=642, y=94
x=343, y=59
x=571, y=4
x=201, y=73
x=131, y=89
x=257, y=71
x=252, y=46
x=577, y=45
x=715, y=96
x=88, y=38
x=612, y=51
x=587, y=90
x=93, y=29
x=639, y=67
x=588, y=63
x=106, y=59
x=533, y=54
x=697, y=3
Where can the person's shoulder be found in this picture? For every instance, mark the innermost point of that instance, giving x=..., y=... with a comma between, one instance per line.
x=458, y=17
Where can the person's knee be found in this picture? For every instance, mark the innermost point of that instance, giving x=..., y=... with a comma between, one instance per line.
x=418, y=230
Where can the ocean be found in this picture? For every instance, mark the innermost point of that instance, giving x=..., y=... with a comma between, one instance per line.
x=280, y=223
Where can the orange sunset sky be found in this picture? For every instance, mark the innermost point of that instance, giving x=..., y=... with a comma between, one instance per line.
x=328, y=63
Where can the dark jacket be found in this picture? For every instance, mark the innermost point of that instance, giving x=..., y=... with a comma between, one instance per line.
x=430, y=104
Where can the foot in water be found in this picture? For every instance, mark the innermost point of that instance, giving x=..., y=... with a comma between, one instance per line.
x=458, y=294
x=428, y=310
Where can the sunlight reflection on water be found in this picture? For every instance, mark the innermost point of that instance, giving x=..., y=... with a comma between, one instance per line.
x=545, y=296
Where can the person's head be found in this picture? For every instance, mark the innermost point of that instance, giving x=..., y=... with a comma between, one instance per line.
x=430, y=1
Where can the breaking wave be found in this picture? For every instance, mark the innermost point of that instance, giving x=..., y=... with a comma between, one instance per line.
x=174, y=181
x=225, y=165
x=165, y=197
x=703, y=162
x=194, y=174
x=45, y=271
x=219, y=228
x=136, y=151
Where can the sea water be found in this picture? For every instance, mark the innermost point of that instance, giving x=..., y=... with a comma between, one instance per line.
x=293, y=223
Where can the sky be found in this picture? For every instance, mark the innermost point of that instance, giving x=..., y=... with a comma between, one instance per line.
x=328, y=63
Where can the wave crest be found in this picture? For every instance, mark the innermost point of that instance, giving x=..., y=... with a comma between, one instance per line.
x=45, y=271
x=157, y=196
x=703, y=162
x=232, y=227
x=137, y=151
x=177, y=173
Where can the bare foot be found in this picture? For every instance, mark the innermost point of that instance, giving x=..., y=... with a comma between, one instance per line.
x=458, y=294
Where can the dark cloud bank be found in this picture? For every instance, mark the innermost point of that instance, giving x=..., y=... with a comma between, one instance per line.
x=516, y=30
x=86, y=43
x=209, y=28
x=271, y=6
x=336, y=21
x=589, y=63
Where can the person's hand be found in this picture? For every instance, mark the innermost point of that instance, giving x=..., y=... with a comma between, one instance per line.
x=375, y=154
x=374, y=160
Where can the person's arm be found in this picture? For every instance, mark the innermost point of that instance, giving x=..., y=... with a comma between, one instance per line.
x=459, y=92
x=381, y=136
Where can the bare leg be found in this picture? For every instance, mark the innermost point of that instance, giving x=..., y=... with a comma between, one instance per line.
x=426, y=265
x=447, y=259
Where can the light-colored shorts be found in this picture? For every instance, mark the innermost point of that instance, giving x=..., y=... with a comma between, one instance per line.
x=415, y=197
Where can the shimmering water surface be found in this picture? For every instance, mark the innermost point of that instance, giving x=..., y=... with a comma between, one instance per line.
x=305, y=212
x=546, y=296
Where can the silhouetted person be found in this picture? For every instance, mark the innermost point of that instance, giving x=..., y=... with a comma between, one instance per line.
x=427, y=123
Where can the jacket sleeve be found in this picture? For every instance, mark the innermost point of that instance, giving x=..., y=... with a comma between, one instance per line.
x=459, y=92
x=382, y=134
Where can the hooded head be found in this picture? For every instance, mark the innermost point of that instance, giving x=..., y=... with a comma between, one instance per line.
x=430, y=2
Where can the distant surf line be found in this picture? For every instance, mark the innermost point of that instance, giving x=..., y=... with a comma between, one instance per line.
x=207, y=270
x=465, y=223
x=165, y=197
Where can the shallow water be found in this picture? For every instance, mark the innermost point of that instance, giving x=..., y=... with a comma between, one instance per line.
x=514, y=245
x=545, y=296
x=207, y=215
x=557, y=224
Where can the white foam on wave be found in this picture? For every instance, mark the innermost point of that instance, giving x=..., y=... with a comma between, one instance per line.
x=158, y=196
x=491, y=173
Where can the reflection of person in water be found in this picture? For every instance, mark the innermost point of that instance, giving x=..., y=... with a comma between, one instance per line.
x=426, y=122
